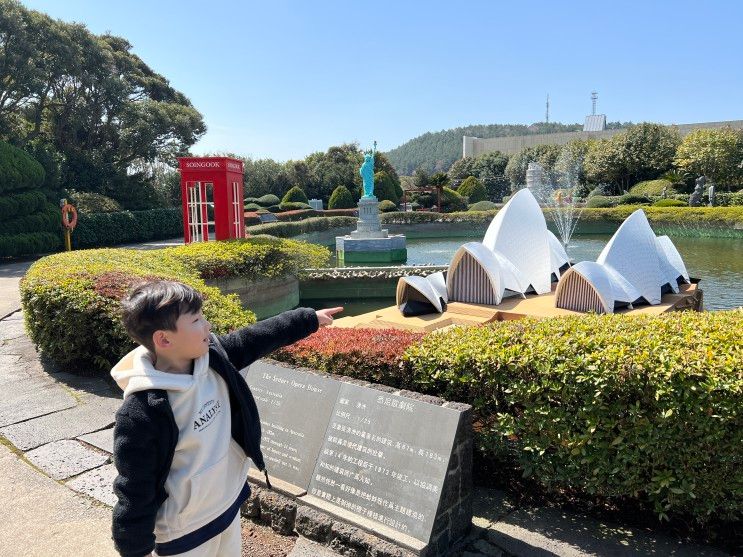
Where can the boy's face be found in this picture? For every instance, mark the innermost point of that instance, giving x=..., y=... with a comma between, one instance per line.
x=189, y=340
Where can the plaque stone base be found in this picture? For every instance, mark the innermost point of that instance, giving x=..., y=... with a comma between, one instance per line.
x=371, y=468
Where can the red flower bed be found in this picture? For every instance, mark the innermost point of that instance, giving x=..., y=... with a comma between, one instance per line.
x=374, y=355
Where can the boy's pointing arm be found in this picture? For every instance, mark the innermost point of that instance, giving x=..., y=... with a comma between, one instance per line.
x=251, y=343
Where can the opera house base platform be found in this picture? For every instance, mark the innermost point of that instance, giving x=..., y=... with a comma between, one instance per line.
x=540, y=306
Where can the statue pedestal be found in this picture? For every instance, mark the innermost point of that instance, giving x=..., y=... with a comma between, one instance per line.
x=369, y=243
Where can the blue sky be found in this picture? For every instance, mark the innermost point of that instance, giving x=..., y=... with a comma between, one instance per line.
x=282, y=79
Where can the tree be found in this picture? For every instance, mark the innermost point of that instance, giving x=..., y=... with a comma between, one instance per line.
x=341, y=198
x=384, y=187
x=90, y=99
x=462, y=169
x=473, y=190
x=338, y=166
x=382, y=164
x=716, y=154
x=421, y=179
x=545, y=155
x=260, y=177
x=439, y=179
x=642, y=152
x=451, y=201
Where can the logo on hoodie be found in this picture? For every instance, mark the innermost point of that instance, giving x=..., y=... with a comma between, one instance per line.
x=206, y=414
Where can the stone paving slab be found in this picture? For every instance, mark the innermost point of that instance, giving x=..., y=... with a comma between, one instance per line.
x=103, y=439
x=11, y=329
x=97, y=483
x=63, y=459
x=30, y=399
x=85, y=418
x=42, y=518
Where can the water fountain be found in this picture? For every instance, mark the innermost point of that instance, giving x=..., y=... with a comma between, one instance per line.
x=556, y=190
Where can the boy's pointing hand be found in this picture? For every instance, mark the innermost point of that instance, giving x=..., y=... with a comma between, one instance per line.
x=325, y=316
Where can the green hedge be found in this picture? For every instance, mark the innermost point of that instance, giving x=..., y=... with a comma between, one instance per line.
x=110, y=229
x=483, y=206
x=669, y=203
x=633, y=199
x=18, y=170
x=293, y=206
x=71, y=300
x=264, y=201
x=640, y=407
x=615, y=407
x=27, y=244
x=21, y=204
x=473, y=190
x=314, y=224
x=47, y=220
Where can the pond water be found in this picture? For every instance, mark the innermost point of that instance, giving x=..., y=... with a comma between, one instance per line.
x=718, y=262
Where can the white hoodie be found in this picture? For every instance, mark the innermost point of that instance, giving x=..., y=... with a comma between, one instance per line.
x=209, y=468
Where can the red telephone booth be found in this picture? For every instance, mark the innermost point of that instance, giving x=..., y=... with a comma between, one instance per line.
x=212, y=194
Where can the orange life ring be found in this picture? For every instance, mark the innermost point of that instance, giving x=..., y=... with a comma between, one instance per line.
x=69, y=216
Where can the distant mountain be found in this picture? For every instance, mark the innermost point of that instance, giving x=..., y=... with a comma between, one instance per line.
x=437, y=151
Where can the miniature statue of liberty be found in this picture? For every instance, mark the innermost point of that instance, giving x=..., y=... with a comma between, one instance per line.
x=367, y=171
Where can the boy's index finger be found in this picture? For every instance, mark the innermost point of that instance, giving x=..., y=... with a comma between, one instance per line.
x=333, y=311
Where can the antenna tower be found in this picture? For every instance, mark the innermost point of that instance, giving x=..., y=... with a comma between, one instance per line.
x=547, y=114
x=594, y=98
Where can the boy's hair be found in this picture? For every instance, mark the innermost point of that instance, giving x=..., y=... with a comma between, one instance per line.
x=156, y=306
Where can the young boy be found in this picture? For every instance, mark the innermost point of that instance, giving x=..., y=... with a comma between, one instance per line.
x=188, y=423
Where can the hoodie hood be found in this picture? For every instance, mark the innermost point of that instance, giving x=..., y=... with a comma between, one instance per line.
x=136, y=372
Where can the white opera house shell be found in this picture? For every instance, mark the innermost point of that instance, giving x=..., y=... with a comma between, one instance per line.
x=517, y=255
x=634, y=267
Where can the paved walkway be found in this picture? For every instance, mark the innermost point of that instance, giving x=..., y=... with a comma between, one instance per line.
x=55, y=456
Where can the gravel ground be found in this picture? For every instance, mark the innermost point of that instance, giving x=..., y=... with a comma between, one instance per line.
x=261, y=541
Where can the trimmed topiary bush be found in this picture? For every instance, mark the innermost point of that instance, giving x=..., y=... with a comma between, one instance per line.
x=267, y=200
x=341, y=198
x=71, y=300
x=252, y=207
x=483, y=206
x=295, y=195
x=670, y=203
x=293, y=206
x=631, y=199
x=651, y=188
x=473, y=190
x=387, y=206
x=18, y=170
x=28, y=223
x=602, y=201
x=451, y=201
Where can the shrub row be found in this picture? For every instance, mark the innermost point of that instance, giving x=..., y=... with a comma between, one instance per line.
x=17, y=245
x=315, y=224
x=370, y=354
x=71, y=300
x=110, y=229
x=47, y=220
x=645, y=408
x=21, y=204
